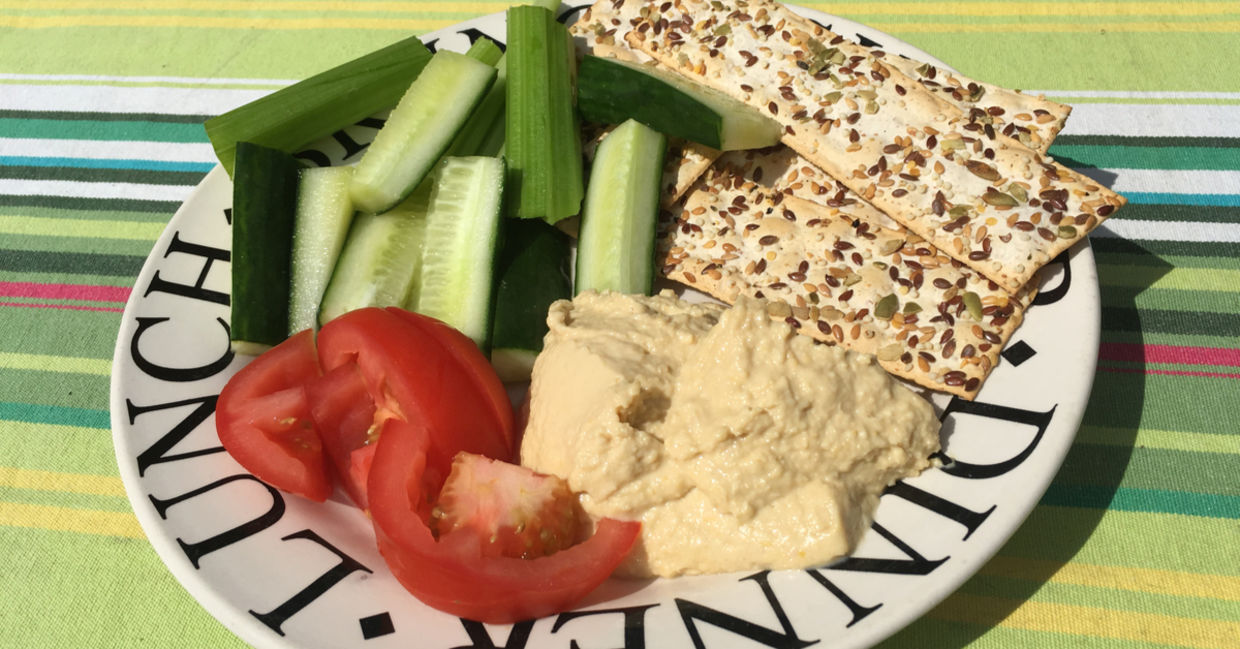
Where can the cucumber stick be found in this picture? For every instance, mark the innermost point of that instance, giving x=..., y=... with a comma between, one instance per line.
x=293, y=117
x=615, y=250
x=542, y=141
x=610, y=91
x=264, y=203
x=381, y=259
x=483, y=132
x=419, y=130
x=463, y=217
x=531, y=271
x=324, y=213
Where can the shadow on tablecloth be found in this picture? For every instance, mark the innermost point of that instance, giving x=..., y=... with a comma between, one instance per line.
x=1083, y=490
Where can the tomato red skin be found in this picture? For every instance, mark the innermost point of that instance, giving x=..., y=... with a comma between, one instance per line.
x=344, y=414
x=263, y=419
x=413, y=375
x=450, y=573
x=474, y=362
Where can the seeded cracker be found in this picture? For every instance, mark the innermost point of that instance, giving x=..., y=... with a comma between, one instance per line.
x=982, y=198
x=838, y=278
x=1033, y=120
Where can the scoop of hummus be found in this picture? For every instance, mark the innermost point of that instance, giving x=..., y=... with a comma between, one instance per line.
x=736, y=442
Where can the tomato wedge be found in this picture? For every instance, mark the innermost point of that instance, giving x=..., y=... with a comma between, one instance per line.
x=263, y=419
x=344, y=414
x=416, y=368
x=451, y=573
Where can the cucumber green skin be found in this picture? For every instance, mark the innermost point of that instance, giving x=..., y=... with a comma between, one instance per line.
x=615, y=250
x=609, y=92
x=532, y=271
x=293, y=117
x=419, y=130
x=264, y=204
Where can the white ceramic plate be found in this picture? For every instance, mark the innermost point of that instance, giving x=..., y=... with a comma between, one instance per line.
x=283, y=572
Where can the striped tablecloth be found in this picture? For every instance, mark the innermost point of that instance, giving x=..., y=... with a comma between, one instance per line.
x=1136, y=544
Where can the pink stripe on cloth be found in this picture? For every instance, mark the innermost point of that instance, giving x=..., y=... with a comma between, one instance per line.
x=65, y=306
x=65, y=291
x=1133, y=370
x=1131, y=352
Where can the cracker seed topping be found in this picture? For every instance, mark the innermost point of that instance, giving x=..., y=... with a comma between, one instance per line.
x=851, y=112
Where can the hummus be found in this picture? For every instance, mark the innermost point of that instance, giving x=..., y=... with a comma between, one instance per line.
x=736, y=442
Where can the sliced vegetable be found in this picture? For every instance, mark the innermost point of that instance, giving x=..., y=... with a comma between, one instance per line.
x=345, y=415
x=512, y=511
x=419, y=130
x=293, y=117
x=451, y=573
x=485, y=51
x=264, y=202
x=542, y=141
x=324, y=213
x=421, y=370
x=463, y=218
x=381, y=259
x=263, y=419
x=615, y=250
x=483, y=132
x=532, y=270
x=609, y=91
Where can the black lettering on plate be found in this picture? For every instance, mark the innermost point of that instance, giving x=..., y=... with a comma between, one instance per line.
x=347, y=566
x=1039, y=420
x=351, y=146
x=193, y=291
x=314, y=157
x=858, y=611
x=970, y=519
x=692, y=613
x=471, y=33
x=1056, y=294
x=157, y=453
x=177, y=374
x=915, y=564
x=634, y=624
x=517, y=637
x=196, y=551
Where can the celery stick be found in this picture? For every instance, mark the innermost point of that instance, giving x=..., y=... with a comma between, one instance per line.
x=293, y=117
x=485, y=50
x=542, y=140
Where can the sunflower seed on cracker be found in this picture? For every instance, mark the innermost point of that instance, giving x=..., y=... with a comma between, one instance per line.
x=846, y=116
x=844, y=281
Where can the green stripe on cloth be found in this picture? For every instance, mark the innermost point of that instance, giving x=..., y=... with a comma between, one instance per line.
x=1171, y=471
x=1181, y=213
x=95, y=213
x=87, y=174
x=110, y=129
x=91, y=116
x=1125, y=156
x=1105, y=245
x=1198, y=442
x=62, y=416
x=1142, y=500
x=1164, y=321
x=62, y=227
x=1187, y=403
x=166, y=208
x=1104, y=598
x=70, y=263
